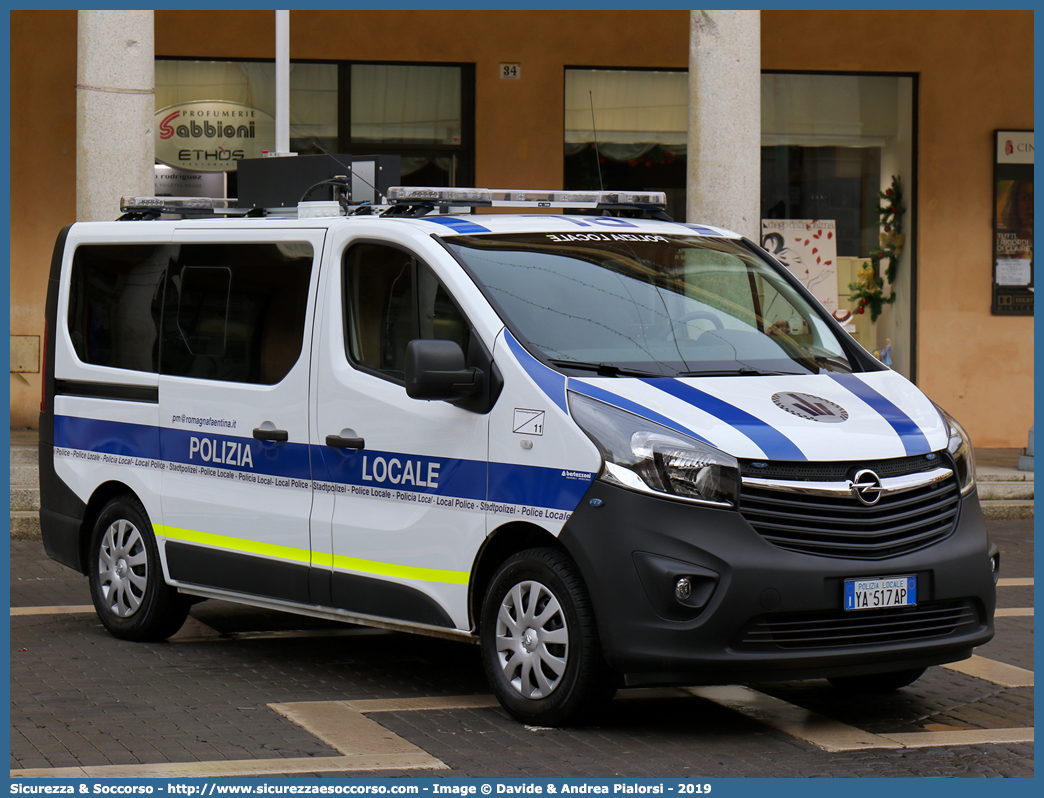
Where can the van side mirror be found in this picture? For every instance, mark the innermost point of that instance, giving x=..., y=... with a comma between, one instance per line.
x=436, y=369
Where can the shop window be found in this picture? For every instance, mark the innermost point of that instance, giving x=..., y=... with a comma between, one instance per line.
x=640, y=122
x=423, y=113
x=236, y=312
x=830, y=144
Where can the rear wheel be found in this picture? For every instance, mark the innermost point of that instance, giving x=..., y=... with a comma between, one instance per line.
x=540, y=646
x=126, y=579
x=878, y=682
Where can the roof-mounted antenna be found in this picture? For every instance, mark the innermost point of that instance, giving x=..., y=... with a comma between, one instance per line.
x=594, y=131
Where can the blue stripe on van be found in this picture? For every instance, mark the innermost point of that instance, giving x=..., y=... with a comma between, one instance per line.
x=533, y=486
x=770, y=440
x=107, y=437
x=396, y=471
x=610, y=398
x=548, y=380
x=474, y=480
x=272, y=459
x=457, y=224
x=913, y=439
x=703, y=231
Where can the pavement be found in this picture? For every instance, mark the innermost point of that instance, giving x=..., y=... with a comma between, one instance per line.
x=247, y=692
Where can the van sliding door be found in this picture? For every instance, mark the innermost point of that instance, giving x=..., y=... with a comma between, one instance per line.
x=233, y=393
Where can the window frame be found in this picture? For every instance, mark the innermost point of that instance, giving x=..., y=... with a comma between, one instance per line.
x=346, y=310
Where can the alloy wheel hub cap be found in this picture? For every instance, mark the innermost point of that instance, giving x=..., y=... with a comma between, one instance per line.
x=530, y=640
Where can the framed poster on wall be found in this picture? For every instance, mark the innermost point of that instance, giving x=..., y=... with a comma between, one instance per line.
x=1013, y=223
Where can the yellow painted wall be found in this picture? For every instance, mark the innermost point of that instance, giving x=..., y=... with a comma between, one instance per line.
x=975, y=75
x=43, y=172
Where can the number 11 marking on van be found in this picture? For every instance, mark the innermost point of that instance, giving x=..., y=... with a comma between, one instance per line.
x=528, y=422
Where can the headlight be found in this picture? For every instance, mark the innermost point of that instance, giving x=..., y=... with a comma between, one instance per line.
x=960, y=447
x=645, y=456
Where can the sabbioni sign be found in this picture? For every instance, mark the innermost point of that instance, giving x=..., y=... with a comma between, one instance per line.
x=211, y=135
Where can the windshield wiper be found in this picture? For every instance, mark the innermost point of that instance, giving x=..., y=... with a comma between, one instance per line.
x=603, y=369
x=744, y=371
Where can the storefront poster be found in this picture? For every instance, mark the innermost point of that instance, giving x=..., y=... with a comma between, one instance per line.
x=808, y=248
x=1013, y=223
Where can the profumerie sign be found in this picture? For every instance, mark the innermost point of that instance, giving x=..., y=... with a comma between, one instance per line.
x=1013, y=222
x=211, y=135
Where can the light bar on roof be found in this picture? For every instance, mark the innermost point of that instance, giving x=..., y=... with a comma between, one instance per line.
x=404, y=195
x=419, y=195
x=173, y=204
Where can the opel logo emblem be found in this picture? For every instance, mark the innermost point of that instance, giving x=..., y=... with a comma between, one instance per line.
x=867, y=487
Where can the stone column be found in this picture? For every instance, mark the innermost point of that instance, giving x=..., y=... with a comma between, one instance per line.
x=724, y=180
x=115, y=105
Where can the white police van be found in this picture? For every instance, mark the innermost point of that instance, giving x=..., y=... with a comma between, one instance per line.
x=611, y=448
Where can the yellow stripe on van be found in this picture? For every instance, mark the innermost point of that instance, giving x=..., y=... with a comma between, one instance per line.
x=234, y=544
x=315, y=558
x=400, y=571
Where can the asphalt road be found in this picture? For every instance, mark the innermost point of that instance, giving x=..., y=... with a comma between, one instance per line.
x=243, y=692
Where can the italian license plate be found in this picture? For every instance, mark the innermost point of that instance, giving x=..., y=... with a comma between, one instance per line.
x=881, y=592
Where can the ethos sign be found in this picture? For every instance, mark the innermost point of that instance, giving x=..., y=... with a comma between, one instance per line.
x=211, y=135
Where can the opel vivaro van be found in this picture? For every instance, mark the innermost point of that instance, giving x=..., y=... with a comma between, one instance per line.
x=611, y=449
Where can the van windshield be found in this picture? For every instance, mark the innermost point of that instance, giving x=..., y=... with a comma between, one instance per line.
x=621, y=304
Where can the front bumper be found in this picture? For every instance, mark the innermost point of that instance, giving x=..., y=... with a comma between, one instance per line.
x=633, y=547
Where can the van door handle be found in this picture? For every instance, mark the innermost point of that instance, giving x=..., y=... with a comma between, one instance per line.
x=345, y=443
x=271, y=435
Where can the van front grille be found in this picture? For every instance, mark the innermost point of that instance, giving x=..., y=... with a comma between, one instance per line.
x=842, y=526
x=839, y=629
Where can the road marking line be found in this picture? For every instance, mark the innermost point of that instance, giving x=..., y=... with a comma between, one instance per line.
x=229, y=768
x=368, y=705
x=1022, y=581
x=345, y=729
x=963, y=737
x=1014, y=612
x=72, y=609
x=834, y=736
x=194, y=631
x=830, y=735
x=423, y=703
x=992, y=671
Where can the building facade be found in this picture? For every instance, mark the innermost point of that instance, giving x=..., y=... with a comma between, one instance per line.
x=850, y=99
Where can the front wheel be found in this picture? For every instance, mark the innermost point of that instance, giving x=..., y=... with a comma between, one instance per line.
x=540, y=646
x=126, y=579
x=877, y=682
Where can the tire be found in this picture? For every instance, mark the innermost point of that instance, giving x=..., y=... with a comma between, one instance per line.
x=540, y=645
x=126, y=578
x=878, y=682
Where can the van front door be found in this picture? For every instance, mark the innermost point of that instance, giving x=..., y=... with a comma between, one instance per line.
x=233, y=394
x=404, y=480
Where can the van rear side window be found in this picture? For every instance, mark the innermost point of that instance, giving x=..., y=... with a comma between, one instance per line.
x=115, y=303
x=236, y=312
x=226, y=311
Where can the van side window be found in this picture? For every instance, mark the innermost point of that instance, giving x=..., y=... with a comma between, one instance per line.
x=236, y=312
x=115, y=301
x=391, y=299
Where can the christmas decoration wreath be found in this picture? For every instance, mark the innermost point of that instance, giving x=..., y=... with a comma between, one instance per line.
x=868, y=292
